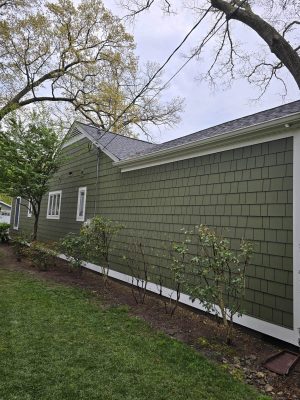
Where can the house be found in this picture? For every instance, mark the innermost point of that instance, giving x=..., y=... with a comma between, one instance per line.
x=242, y=176
x=5, y=210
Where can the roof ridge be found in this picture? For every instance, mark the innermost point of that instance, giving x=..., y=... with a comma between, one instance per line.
x=230, y=121
x=112, y=133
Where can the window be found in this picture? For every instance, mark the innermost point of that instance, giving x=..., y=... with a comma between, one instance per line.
x=81, y=204
x=17, y=213
x=29, y=211
x=54, y=201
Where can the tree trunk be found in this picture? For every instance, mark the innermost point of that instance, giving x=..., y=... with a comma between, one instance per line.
x=276, y=42
x=36, y=212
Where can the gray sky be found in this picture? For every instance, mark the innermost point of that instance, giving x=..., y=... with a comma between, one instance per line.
x=157, y=35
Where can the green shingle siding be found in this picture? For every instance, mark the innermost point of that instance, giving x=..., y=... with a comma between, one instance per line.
x=246, y=192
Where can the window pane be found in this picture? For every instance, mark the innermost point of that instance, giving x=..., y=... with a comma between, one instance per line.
x=50, y=205
x=81, y=203
x=57, y=204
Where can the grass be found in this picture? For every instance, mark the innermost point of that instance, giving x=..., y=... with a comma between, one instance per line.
x=57, y=343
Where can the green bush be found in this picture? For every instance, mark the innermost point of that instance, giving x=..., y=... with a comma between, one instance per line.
x=40, y=256
x=20, y=244
x=4, y=233
x=98, y=234
x=75, y=249
x=218, y=272
x=139, y=267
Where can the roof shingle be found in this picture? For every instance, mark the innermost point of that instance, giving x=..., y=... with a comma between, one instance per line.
x=125, y=148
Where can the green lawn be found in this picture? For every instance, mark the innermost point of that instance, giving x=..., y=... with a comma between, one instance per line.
x=57, y=343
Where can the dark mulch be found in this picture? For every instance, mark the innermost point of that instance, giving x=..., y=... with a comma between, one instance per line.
x=203, y=332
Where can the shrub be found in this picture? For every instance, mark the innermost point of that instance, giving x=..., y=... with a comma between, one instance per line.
x=4, y=233
x=20, y=244
x=178, y=270
x=218, y=273
x=98, y=234
x=138, y=265
x=74, y=248
x=40, y=256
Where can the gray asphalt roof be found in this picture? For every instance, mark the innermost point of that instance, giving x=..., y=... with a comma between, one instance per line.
x=126, y=148
x=120, y=146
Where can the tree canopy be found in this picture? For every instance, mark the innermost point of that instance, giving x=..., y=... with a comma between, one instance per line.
x=29, y=157
x=79, y=55
x=276, y=22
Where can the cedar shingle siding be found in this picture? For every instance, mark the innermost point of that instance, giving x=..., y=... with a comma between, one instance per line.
x=246, y=192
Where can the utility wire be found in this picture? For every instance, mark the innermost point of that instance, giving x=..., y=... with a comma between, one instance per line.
x=166, y=62
x=155, y=75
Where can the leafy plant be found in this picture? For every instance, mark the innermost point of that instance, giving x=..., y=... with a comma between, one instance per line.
x=74, y=247
x=29, y=156
x=40, y=256
x=138, y=265
x=4, y=233
x=98, y=234
x=20, y=244
x=178, y=270
x=218, y=273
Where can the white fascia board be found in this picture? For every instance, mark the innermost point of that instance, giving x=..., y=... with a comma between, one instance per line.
x=255, y=134
x=5, y=204
x=95, y=143
x=267, y=328
x=73, y=140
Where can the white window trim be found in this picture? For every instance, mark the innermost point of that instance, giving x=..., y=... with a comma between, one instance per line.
x=16, y=227
x=29, y=210
x=49, y=197
x=82, y=217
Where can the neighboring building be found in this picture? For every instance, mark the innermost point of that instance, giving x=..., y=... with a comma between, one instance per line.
x=242, y=176
x=5, y=210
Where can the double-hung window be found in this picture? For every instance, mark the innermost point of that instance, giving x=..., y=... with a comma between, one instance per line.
x=29, y=209
x=17, y=213
x=80, y=216
x=54, y=203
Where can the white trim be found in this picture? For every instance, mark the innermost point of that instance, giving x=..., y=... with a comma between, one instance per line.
x=73, y=140
x=29, y=209
x=228, y=141
x=51, y=194
x=81, y=217
x=8, y=205
x=296, y=235
x=96, y=143
x=16, y=226
x=256, y=324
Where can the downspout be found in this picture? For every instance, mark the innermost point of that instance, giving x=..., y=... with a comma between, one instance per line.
x=97, y=181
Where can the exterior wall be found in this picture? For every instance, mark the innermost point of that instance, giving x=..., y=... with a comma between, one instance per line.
x=78, y=169
x=4, y=213
x=246, y=192
x=4, y=208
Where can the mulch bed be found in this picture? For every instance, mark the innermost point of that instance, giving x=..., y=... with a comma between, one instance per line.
x=199, y=330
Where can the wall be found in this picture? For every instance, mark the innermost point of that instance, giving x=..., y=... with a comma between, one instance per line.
x=246, y=192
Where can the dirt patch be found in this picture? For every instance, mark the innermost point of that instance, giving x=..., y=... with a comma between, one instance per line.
x=201, y=331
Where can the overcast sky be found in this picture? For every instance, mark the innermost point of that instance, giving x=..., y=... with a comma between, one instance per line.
x=157, y=35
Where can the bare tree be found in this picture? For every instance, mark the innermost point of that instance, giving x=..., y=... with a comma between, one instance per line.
x=277, y=22
x=80, y=55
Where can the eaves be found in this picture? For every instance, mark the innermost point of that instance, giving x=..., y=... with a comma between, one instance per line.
x=274, y=129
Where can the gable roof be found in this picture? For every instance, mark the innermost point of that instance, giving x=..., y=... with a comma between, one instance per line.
x=5, y=204
x=128, y=151
x=116, y=146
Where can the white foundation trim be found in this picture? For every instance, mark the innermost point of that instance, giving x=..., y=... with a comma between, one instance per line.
x=279, y=332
